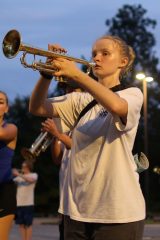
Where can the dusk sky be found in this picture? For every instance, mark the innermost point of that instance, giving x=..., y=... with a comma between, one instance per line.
x=73, y=24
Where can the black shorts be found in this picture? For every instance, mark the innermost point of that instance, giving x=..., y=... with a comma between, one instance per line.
x=75, y=230
x=7, y=198
x=24, y=215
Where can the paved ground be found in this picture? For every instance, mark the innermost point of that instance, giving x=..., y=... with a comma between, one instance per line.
x=43, y=229
x=47, y=229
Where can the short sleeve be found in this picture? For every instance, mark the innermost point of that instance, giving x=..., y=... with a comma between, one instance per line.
x=68, y=108
x=134, y=98
x=35, y=176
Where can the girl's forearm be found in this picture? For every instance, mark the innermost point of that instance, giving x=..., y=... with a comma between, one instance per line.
x=108, y=99
x=39, y=105
x=65, y=139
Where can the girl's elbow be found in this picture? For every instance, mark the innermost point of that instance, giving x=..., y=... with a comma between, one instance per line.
x=120, y=109
x=34, y=111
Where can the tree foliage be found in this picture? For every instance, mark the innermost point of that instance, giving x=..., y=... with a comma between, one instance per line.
x=131, y=24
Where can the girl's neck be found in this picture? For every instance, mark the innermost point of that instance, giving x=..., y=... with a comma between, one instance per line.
x=109, y=82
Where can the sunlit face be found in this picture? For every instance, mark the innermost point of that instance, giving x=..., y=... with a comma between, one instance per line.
x=3, y=105
x=106, y=54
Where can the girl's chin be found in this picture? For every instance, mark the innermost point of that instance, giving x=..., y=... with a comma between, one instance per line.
x=98, y=75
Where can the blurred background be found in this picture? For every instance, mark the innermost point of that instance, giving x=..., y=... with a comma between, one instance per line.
x=76, y=25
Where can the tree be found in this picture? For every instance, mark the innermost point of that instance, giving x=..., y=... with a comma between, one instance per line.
x=131, y=24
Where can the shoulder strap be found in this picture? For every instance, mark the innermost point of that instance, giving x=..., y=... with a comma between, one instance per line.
x=94, y=102
x=86, y=109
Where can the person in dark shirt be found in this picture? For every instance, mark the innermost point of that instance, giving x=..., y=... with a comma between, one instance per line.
x=8, y=139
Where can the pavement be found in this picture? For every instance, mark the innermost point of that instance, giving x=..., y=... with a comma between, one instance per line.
x=47, y=229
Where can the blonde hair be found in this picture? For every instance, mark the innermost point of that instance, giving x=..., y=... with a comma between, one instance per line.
x=126, y=51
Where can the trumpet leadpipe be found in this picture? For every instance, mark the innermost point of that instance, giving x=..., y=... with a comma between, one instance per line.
x=12, y=44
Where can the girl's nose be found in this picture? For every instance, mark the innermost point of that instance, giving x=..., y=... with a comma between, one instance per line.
x=97, y=57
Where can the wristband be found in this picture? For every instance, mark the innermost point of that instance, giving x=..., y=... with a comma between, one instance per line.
x=46, y=75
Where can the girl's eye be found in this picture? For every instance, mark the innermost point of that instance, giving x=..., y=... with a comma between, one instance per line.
x=105, y=53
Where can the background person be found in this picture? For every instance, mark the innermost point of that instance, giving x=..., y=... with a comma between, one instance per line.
x=60, y=147
x=60, y=151
x=26, y=182
x=101, y=166
x=8, y=139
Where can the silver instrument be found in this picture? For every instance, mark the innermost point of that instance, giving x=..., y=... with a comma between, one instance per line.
x=40, y=145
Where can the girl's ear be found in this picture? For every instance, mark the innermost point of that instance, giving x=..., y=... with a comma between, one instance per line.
x=7, y=109
x=124, y=61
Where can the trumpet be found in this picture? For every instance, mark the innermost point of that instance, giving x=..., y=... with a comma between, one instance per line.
x=12, y=44
x=40, y=145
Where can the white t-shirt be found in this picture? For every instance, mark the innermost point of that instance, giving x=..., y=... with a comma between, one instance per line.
x=101, y=182
x=63, y=175
x=25, y=190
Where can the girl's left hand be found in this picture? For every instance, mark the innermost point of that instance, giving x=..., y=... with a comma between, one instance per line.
x=65, y=68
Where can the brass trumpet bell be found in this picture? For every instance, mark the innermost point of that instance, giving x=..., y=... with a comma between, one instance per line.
x=12, y=44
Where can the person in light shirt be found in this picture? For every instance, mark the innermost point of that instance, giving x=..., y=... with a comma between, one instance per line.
x=60, y=148
x=26, y=182
x=102, y=198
